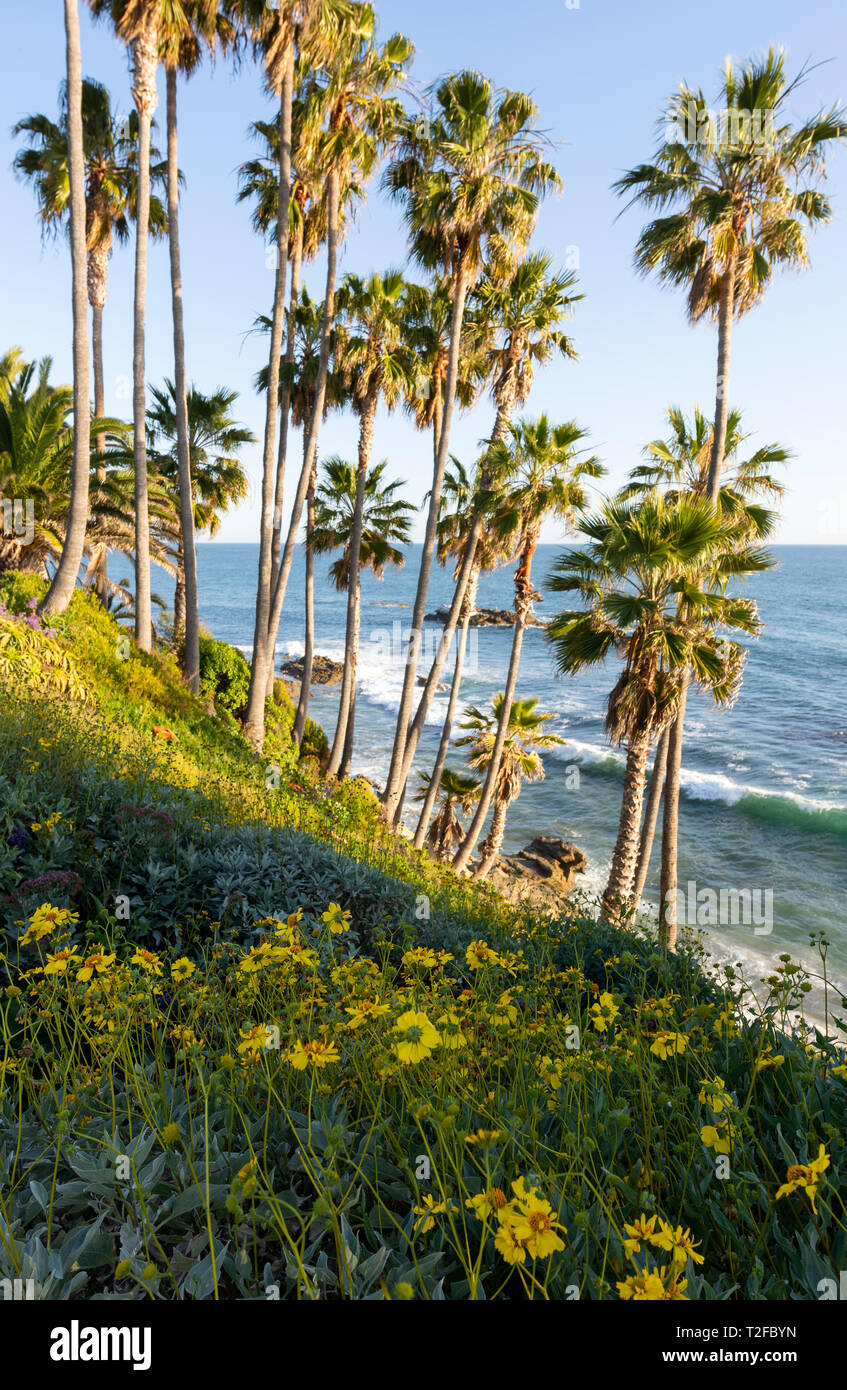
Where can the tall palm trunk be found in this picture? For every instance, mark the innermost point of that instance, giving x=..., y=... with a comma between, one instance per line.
x=395, y=782
x=284, y=420
x=145, y=53
x=523, y=605
x=309, y=647
x=366, y=430
x=188, y=553
x=262, y=663
x=347, y=755
x=468, y=609
x=651, y=816
x=97, y=274
x=311, y=445
x=670, y=814
x=493, y=842
x=179, y=594
x=64, y=580
x=625, y=856
x=505, y=410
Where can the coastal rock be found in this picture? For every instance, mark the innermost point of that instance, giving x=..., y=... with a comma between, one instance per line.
x=439, y=689
x=325, y=671
x=484, y=617
x=542, y=873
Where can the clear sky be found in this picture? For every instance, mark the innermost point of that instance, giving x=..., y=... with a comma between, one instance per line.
x=600, y=73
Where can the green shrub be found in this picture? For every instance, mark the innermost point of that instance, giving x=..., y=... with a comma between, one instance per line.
x=224, y=675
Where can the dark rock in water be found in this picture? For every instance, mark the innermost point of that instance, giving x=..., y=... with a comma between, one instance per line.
x=542, y=873
x=325, y=671
x=484, y=617
x=439, y=689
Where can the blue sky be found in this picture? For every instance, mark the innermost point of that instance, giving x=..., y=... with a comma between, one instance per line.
x=600, y=73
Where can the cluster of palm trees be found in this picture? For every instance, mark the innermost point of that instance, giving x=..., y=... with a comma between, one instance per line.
x=656, y=567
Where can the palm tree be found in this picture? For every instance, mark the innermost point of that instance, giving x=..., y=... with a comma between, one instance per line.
x=111, y=191
x=514, y=321
x=470, y=177
x=217, y=477
x=547, y=473
x=350, y=116
x=680, y=464
x=454, y=794
x=36, y=453
x=640, y=579
x=383, y=521
x=375, y=364
x=64, y=580
x=183, y=32
x=742, y=191
x=464, y=498
x=519, y=759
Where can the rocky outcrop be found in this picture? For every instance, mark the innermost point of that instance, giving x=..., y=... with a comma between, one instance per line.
x=325, y=671
x=484, y=617
x=543, y=873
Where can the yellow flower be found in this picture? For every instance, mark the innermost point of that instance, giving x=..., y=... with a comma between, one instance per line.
x=717, y=1137
x=336, y=918
x=365, y=1010
x=678, y=1242
x=427, y=1212
x=181, y=969
x=479, y=954
x=539, y=1216
x=489, y=1203
x=170, y=1134
x=807, y=1176
x=604, y=1012
x=483, y=1136
x=768, y=1060
x=45, y=920
x=642, y=1230
x=148, y=960
x=674, y=1286
x=713, y=1093
x=58, y=963
x=509, y=1243
x=642, y=1288
x=669, y=1044
x=253, y=1042
x=315, y=1053
x=97, y=962
x=417, y=1037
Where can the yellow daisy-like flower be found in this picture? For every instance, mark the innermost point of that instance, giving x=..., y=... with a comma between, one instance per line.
x=98, y=962
x=489, y=1203
x=478, y=954
x=313, y=1053
x=805, y=1176
x=416, y=1037
x=604, y=1012
x=669, y=1044
x=713, y=1093
x=336, y=918
x=539, y=1217
x=58, y=963
x=253, y=1042
x=181, y=969
x=642, y=1288
x=427, y=1212
x=678, y=1243
x=148, y=960
x=769, y=1060
x=45, y=920
x=674, y=1286
x=641, y=1231
x=717, y=1137
x=364, y=1010
x=483, y=1136
x=509, y=1242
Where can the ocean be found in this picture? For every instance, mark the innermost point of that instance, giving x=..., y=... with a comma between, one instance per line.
x=763, y=813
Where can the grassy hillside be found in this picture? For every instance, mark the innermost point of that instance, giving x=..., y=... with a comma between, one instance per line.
x=251, y=1041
